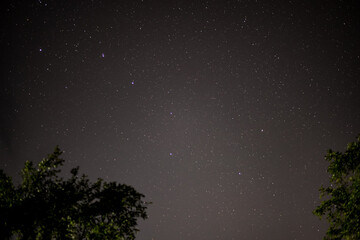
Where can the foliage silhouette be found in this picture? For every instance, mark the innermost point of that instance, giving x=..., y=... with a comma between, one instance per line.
x=45, y=206
x=342, y=206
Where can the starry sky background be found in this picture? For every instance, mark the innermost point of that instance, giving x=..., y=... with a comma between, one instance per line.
x=220, y=112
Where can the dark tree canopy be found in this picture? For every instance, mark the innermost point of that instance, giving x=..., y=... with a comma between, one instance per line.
x=45, y=206
x=342, y=204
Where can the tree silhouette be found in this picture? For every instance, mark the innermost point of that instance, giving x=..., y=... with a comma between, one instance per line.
x=342, y=207
x=45, y=206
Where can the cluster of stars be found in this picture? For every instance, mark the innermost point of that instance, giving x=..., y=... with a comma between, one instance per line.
x=229, y=100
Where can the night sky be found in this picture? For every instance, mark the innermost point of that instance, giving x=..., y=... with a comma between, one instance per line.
x=220, y=112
